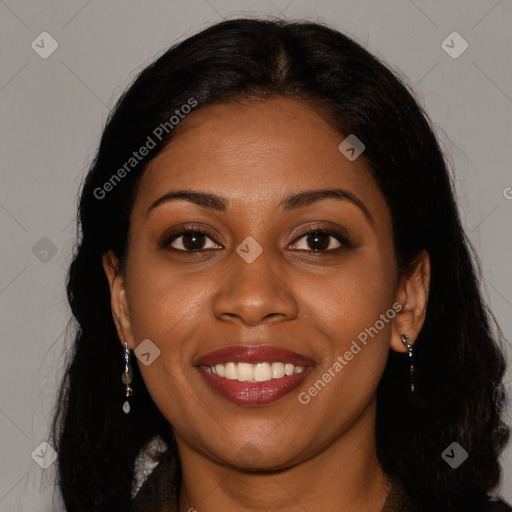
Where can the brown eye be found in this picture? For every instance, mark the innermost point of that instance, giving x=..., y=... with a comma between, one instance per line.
x=189, y=241
x=321, y=240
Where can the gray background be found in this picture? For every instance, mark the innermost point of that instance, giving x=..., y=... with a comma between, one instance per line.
x=53, y=110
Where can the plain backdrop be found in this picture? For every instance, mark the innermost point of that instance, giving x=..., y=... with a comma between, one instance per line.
x=52, y=111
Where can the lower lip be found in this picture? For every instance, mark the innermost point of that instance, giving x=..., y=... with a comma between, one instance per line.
x=254, y=393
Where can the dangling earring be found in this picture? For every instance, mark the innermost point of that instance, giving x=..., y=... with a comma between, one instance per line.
x=127, y=377
x=406, y=340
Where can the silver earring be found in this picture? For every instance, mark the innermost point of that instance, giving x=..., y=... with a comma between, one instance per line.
x=406, y=340
x=127, y=377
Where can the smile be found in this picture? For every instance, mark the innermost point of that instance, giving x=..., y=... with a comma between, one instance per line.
x=260, y=372
x=254, y=375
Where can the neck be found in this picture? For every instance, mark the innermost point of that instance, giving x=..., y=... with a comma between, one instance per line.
x=345, y=476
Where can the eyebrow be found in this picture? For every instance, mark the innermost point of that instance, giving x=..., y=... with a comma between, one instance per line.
x=289, y=203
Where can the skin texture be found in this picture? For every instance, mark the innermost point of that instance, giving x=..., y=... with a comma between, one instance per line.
x=320, y=455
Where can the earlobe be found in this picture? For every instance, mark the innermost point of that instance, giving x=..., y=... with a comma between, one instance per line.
x=118, y=298
x=412, y=293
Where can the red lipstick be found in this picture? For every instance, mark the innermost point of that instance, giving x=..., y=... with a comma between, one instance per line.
x=249, y=392
x=257, y=354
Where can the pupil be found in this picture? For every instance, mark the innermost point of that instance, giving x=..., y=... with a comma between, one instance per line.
x=196, y=239
x=317, y=240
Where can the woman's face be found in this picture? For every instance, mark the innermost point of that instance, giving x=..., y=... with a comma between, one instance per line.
x=261, y=280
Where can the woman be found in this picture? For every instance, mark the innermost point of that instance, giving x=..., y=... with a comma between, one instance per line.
x=272, y=279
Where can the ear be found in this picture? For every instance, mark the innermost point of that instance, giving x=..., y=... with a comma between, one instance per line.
x=412, y=295
x=118, y=299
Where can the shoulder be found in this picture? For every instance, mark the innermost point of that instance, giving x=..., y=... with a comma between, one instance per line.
x=398, y=500
x=159, y=491
x=492, y=505
x=497, y=506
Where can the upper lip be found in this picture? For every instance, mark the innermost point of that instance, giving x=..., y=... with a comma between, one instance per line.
x=253, y=354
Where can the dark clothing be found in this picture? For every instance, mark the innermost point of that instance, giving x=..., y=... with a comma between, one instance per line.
x=158, y=494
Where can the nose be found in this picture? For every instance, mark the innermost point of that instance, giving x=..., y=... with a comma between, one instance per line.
x=255, y=293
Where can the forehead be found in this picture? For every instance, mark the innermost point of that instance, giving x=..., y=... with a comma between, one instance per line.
x=255, y=152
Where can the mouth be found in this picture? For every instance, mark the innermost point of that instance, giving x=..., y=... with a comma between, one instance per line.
x=254, y=375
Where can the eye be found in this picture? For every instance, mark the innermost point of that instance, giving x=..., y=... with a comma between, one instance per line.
x=188, y=240
x=316, y=240
x=322, y=240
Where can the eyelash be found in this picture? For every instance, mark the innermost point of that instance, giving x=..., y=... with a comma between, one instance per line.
x=342, y=239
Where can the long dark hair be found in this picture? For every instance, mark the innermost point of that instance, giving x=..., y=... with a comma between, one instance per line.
x=460, y=365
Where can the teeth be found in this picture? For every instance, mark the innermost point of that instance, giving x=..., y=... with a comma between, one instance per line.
x=288, y=369
x=260, y=372
x=277, y=370
x=231, y=372
x=245, y=371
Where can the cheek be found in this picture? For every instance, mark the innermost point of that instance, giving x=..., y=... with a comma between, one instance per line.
x=162, y=300
x=354, y=321
x=354, y=296
x=353, y=315
x=167, y=307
